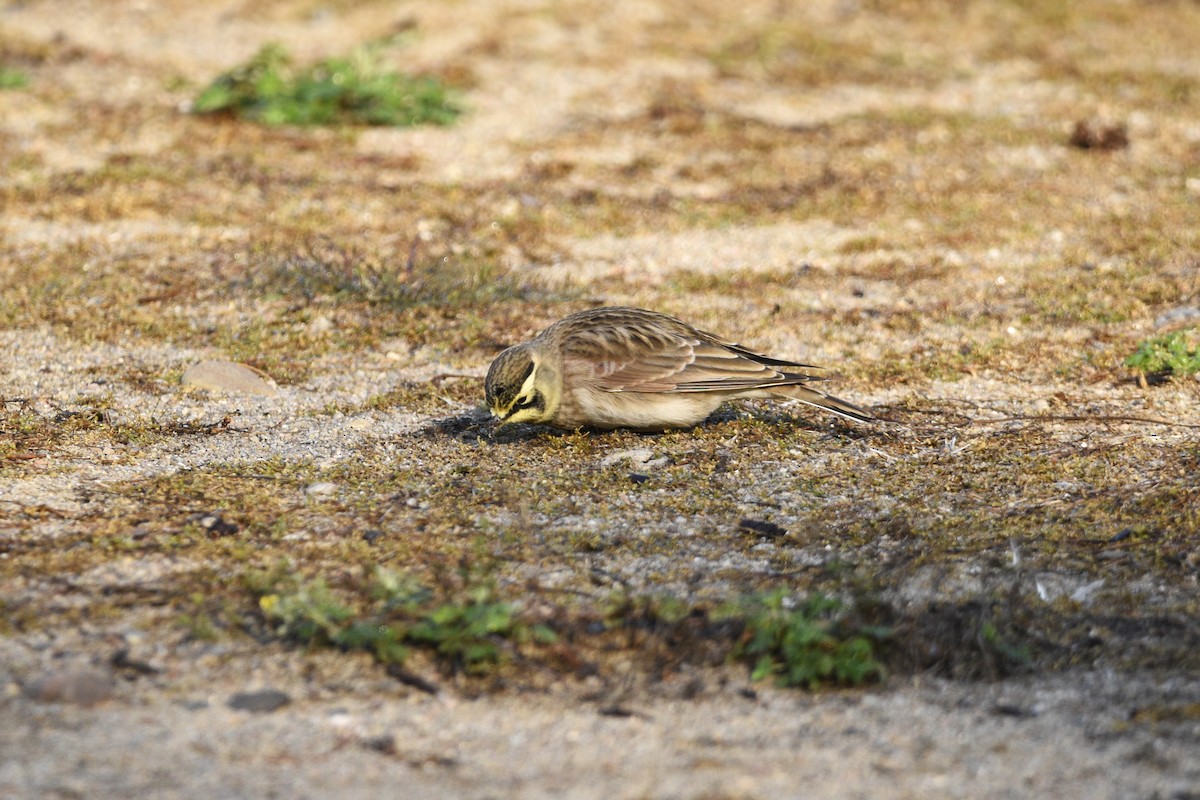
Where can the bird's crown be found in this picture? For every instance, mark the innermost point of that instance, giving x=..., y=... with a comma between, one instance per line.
x=506, y=377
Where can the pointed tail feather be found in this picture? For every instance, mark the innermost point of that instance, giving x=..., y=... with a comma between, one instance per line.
x=826, y=401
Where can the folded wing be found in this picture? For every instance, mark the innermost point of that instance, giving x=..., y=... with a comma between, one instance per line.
x=655, y=360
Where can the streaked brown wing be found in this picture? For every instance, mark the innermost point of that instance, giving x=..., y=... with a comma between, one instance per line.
x=655, y=361
x=636, y=351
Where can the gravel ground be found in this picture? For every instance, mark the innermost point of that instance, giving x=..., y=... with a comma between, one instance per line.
x=831, y=218
x=1075, y=735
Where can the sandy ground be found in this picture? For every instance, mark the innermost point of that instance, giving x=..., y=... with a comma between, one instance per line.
x=890, y=193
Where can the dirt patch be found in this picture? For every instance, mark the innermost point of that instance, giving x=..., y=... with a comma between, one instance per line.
x=896, y=191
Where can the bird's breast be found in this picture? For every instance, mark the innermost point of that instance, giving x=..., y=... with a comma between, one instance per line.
x=597, y=408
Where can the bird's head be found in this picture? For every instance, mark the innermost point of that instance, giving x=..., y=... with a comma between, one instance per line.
x=521, y=389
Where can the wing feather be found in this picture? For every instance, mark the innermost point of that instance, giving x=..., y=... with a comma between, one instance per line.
x=628, y=353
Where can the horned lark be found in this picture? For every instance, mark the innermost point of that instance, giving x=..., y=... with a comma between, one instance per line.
x=632, y=368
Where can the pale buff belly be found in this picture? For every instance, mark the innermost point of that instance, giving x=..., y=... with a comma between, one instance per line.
x=637, y=410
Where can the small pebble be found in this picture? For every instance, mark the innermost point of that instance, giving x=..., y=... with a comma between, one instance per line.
x=82, y=686
x=642, y=457
x=1013, y=710
x=1091, y=134
x=761, y=528
x=259, y=702
x=215, y=524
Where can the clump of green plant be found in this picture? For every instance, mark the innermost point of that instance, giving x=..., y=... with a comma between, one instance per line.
x=806, y=644
x=353, y=90
x=12, y=79
x=466, y=631
x=1173, y=354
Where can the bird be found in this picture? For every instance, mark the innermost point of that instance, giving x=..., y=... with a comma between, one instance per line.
x=622, y=367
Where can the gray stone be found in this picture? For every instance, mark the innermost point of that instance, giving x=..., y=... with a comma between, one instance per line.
x=229, y=377
x=1177, y=316
x=642, y=458
x=260, y=701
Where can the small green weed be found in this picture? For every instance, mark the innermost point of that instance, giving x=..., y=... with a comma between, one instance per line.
x=806, y=645
x=1174, y=354
x=396, y=614
x=1003, y=650
x=12, y=79
x=466, y=633
x=354, y=90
